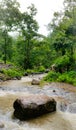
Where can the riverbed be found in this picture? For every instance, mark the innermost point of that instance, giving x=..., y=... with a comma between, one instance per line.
x=65, y=95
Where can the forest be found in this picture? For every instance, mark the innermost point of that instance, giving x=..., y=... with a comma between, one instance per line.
x=28, y=51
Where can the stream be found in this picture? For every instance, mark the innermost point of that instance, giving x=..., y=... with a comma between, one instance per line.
x=65, y=95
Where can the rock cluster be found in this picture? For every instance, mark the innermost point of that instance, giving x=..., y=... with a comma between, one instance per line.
x=33, y=106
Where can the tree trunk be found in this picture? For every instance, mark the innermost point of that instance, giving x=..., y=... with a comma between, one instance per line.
x=5, y=50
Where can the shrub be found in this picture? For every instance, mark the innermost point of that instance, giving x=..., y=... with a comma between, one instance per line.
x=62, y=63
x=41, y=69
x=67, y=77
x=52, y=76
x=35, y=70
x=12, y=73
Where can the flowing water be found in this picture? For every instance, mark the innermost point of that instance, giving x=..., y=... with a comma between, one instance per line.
x=63, y=119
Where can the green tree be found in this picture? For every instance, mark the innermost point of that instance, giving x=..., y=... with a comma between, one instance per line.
x=63, y=34
x=29, y=28
x=41, y=53
x=9, y=18
x=6, y=49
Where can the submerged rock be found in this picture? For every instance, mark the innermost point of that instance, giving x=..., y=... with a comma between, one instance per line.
x=1, y=125
x=35, y=82
x=54, y=91
x=33, y=106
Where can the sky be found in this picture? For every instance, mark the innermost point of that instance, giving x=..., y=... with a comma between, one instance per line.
x=45, y=10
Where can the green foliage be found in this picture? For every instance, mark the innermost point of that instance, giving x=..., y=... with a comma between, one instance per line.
x=9, y=14
x=29, y=28
x=36, y=70
x=41, y=69
x=52, y=76
x=41, y=53
x=62, y=63
x=29, y=71
x=67, y=77
x=12, y=73
x=9, y=19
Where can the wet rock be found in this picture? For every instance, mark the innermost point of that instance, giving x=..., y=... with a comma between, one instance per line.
x=54, y=91
x=14, y=78
x=47, y=70
x=33, y=106
x=1, y=125
x=26, y=74
x=62, y=106
x=35, y=82
x=72, y=108
x=0, y=80
x=5, y=66
x=18, y=77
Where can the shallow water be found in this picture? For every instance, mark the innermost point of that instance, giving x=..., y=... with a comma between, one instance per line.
x=62, y=119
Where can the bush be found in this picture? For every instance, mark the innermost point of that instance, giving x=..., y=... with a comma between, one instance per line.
x=12, y=73
x=67, y=77
x=64, y=78
x=41, y=69
x=52, y=76
x=62, y=63
x=29, y=71
x=36, y=70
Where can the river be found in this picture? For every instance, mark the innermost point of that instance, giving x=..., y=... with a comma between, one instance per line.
x=63, y=119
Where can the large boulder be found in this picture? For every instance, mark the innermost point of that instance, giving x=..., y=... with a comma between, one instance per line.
x=33, y=106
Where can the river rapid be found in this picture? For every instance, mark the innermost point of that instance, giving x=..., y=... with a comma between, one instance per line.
x=63, y=119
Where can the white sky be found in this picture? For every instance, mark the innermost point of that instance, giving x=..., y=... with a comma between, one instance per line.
x=45, y=9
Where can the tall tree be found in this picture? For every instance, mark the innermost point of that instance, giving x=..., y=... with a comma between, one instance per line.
x=29, y=28
x=63, y=34
x=9, y=18
x=70, y=13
